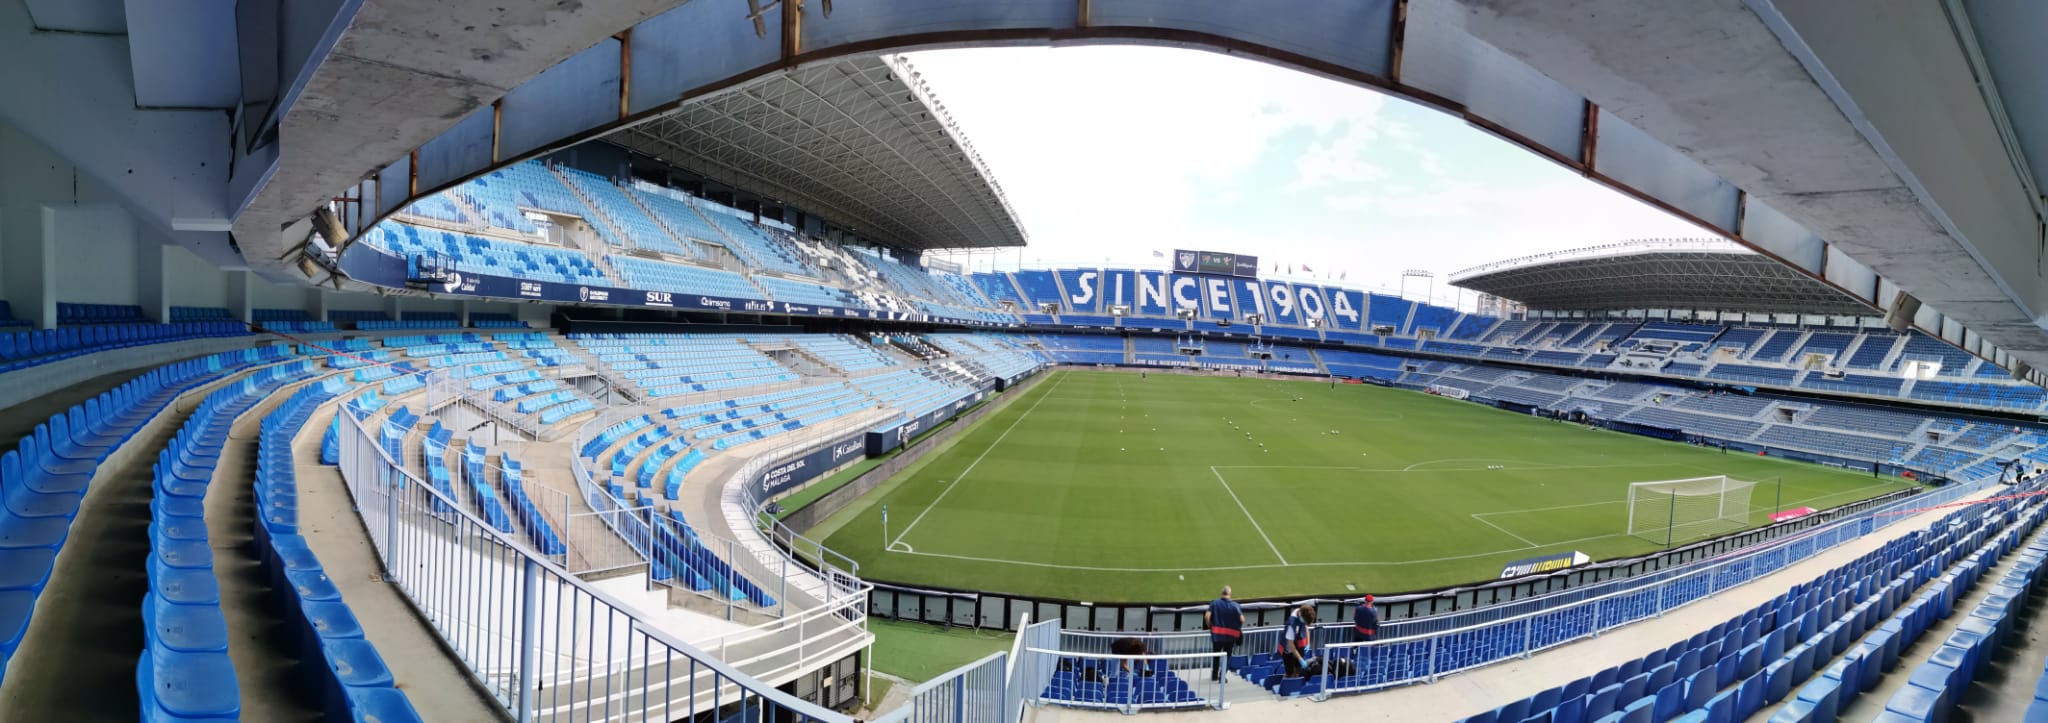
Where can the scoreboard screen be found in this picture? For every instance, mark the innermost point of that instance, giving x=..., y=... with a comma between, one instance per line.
x=1215, y=262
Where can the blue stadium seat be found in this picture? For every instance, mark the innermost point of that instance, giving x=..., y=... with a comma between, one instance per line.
x=185, y=628
x=382, y=705
x=187, y=686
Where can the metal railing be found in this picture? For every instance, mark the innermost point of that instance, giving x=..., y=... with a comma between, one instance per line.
x=1125, y=682
x=1412, y=651
x=1387, y=663
x=781, y=565
x=546, y=645
x=978, y=692
x=749, y=500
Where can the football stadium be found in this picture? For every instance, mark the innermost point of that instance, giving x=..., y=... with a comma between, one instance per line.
x=1009, y=361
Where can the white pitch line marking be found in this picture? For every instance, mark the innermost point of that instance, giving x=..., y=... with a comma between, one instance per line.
x=977, y=461
x=1484, y=521
x=1226, y=568
x=1248, y=515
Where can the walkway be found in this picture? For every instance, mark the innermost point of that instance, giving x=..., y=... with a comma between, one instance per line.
x=410, y=648
x=87, y=635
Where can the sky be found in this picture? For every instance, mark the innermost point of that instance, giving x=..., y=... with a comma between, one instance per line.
x=1108, y=153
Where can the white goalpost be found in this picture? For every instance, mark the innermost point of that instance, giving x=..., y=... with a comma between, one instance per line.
x=1669, y=511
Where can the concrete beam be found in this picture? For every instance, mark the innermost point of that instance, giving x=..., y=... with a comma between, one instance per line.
x=1737, y=91
x=400, y=74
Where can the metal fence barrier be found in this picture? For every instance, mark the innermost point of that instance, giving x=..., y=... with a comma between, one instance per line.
x=779, y=563
x=1422, y=650
x=978, y=692
x=1400, y=614
x=1386, y=663
x=1126, y=683
x=547, y=646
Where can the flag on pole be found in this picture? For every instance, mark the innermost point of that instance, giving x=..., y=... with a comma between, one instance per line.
x=1343, y=276
x=885, y=514
x=1157, y=254
x=1304, y=267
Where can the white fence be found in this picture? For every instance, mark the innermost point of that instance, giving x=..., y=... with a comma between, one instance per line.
x=545, y=644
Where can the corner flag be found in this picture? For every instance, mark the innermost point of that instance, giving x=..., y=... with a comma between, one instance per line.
x=885, y=514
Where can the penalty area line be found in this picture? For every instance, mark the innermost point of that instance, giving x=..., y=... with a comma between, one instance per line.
x=1503, y=530
x=1248, y=516
x=1228, y=568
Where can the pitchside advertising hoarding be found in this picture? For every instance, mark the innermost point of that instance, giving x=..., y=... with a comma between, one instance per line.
x=785, y=475
x=372, y=265
x=1548, y=563
x=791, y=473
x=1215, y=262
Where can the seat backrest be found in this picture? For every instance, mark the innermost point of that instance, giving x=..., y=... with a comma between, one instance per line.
x=1600, y=704
x=1670, y=700
x=1662, y=676
x=1688, y=663
x=1572, y=709
x=1700, y=688
x=1633, y=688
x=1721, y=707
x=60, y=430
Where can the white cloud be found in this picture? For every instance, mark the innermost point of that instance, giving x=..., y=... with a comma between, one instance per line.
x=1340, y=161
x=1108, y=153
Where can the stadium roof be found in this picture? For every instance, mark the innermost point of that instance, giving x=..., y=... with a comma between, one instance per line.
x=858, y=141
x=1701, y=274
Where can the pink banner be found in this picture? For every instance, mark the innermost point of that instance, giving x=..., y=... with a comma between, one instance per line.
x=1792, y=514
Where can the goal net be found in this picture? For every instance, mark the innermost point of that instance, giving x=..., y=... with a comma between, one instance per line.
x=1676, y=510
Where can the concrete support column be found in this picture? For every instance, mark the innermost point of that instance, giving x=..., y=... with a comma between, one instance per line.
x=393, y=308
x=152, y=277
x=462, y=311
x=39, y=258
x=321, y=298
x=535, y=314
x=238, y=295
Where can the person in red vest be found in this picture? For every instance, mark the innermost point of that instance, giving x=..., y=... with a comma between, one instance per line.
x=1294, y=640
x=1225, y=621
x=1366, y=622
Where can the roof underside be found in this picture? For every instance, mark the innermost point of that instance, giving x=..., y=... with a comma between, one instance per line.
x=848, y=140
x=1702, y=280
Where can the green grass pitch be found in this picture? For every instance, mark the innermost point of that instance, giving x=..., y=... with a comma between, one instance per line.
x=1101, y=486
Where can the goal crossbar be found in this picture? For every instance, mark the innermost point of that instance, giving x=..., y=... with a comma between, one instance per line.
x=1666, y=511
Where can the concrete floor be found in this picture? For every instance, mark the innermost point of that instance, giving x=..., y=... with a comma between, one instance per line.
x=440, y=688
x=276, y=683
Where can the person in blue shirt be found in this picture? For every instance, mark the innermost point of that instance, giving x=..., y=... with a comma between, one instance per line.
x=1294, y=640
x=1225, y=621
x=1365, y=623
